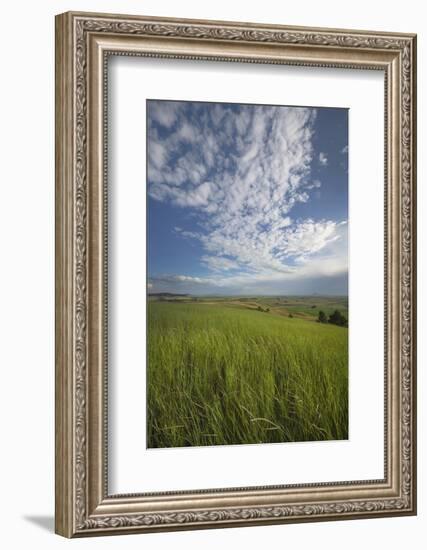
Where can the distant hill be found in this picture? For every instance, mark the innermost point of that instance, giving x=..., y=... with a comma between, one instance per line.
x=167, y=294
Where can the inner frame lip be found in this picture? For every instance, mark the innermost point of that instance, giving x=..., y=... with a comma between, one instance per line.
x=107, y=53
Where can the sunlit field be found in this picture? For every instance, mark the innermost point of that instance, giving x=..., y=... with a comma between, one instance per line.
x=239, y=370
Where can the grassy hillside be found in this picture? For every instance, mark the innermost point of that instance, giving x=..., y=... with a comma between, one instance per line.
x=223, y=372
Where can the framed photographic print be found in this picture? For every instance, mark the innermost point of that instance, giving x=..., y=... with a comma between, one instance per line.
x=235, y=274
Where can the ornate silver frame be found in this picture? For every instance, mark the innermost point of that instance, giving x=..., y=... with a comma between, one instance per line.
x=83, y=42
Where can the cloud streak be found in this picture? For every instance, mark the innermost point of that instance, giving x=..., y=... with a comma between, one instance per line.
x=323, y=159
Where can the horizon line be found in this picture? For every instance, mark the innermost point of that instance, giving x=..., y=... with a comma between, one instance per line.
x=311, y=295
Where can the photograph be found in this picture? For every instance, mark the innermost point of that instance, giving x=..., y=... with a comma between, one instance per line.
x=247, y=273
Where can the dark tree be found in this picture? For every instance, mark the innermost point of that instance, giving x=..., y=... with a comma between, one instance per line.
x=322, y=317
x=337, y=318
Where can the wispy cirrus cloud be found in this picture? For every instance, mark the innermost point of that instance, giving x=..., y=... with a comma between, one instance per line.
x=218, y=263
x=240, y=170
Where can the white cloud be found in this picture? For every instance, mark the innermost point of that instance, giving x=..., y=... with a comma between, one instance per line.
x=323, y=159
x=218, y=263
x=181, y=279
x=308, y=237
x=157, y=154
x=164, y=112
x=186, y=278
x=198, y=196
x=187, y=132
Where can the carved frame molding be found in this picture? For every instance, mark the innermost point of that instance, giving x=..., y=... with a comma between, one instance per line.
x=83, y=42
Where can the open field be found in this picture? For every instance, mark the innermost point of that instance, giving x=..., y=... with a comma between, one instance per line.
x=239, y=370
x=303, y=307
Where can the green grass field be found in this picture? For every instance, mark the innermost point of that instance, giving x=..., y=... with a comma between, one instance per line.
x=220, y=371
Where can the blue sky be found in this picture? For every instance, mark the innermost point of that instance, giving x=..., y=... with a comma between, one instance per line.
x=246, y=199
